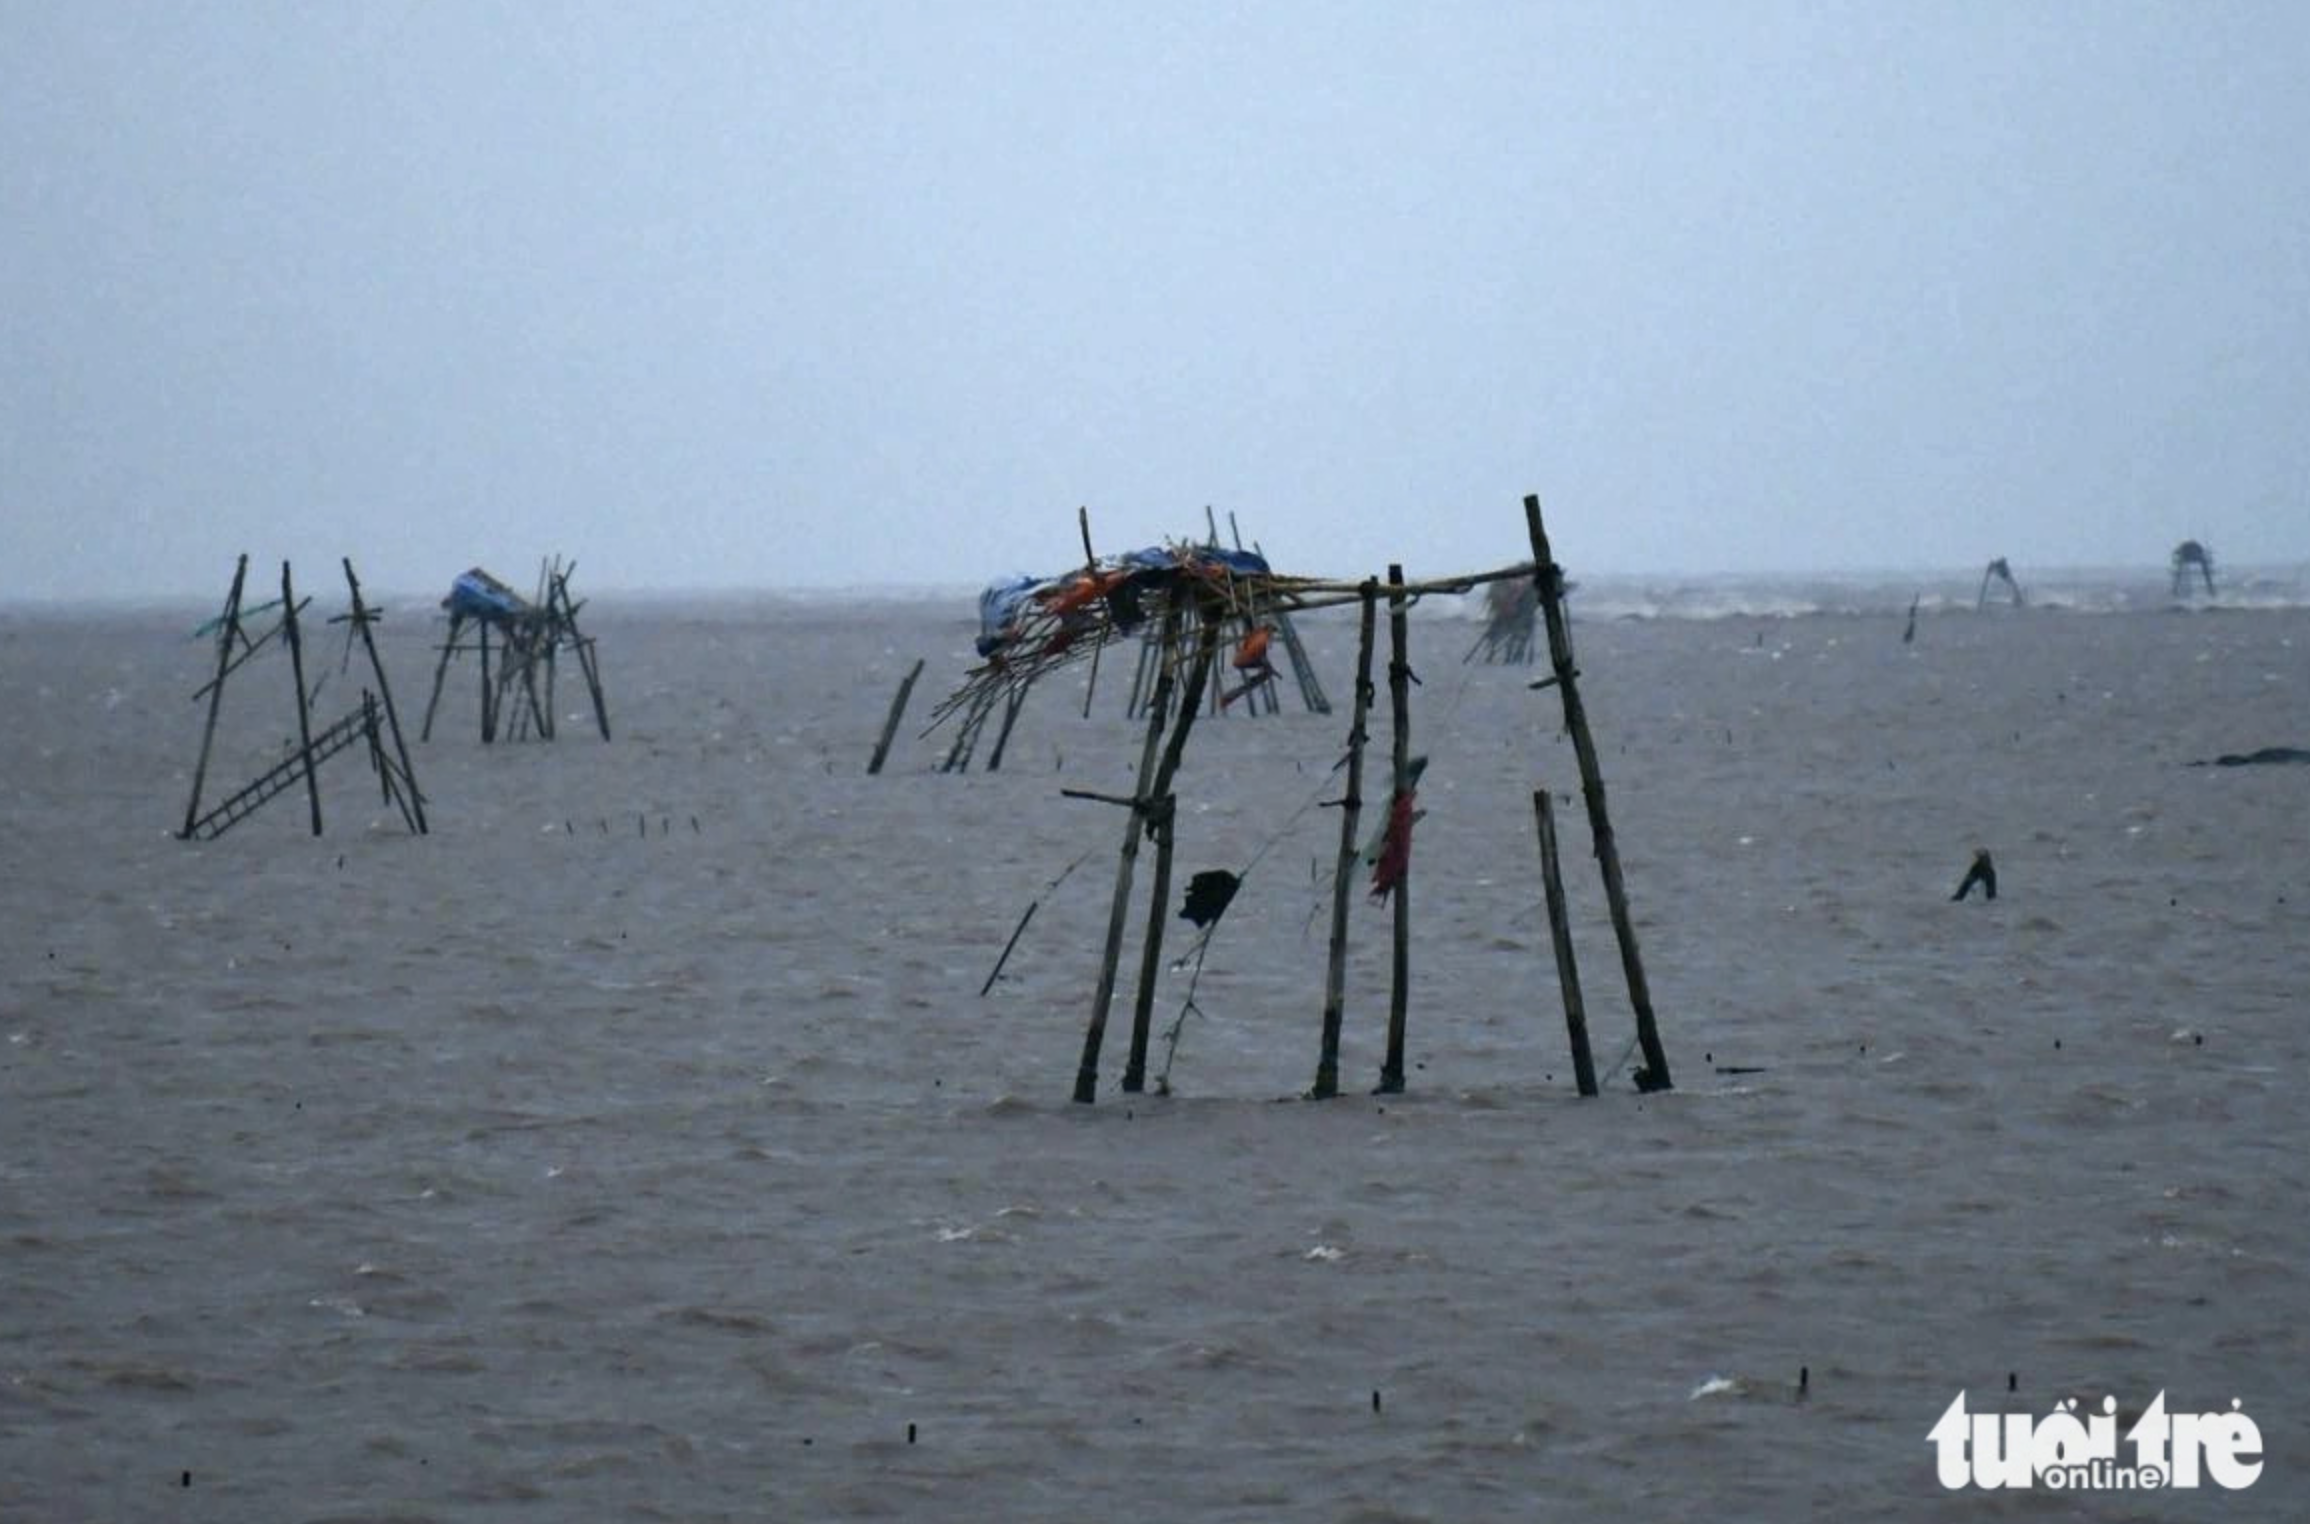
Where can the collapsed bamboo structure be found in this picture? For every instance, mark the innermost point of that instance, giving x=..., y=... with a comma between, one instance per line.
x=372, y=720
x=518, y=700
x=1180, y=601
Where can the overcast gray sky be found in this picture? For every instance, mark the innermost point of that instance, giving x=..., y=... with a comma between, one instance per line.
x=764, y=294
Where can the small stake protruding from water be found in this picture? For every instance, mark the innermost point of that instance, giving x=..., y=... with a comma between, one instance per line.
x=1983, y=872
x=1804, y=1382
x=2013, y=1381
x=910, y=1433
x=1375, y=1399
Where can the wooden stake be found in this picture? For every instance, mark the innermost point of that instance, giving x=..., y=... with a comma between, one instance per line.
x=361, y=616
x=1560, y=929
x=1548, y=577
x=1016, y=932
x=1400, y=707
x=488, y=694
x=890, y=722
x=227, y=631
x=304, y=710
x=588, y=663
x=1343, y=876
x=441, y=670
x=1159, y=825
x=1151, y=951
x=1087, y=1072
x=1013, y=701
x=1090, y=569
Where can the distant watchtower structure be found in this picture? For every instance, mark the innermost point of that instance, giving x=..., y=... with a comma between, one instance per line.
x=517, y=697
x=2190, y=554
x=1997, y=571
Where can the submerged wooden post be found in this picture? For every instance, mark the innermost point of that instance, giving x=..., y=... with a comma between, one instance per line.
x=1343, y=876
x=488, y=694
x=304, y=710
x=589, y=665
x=890, y=722
x=1560, y=930
x=1090, y=569
x=416, y=805
x=1013, y=702
x=1399, y=703
x=1548, y=577
x=1103, y=998
x=228, y=628
x=440, y=671
x=1159, y=825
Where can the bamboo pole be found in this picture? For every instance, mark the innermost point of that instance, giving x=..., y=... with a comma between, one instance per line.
x=1549, y=578
x=589, y=664
x=1560, y=931
x=1160, y=826
x=1012, y=702
x=1103, y=998
x=441, y=670
x=361, y=619
x=1400, y=715
x=1343, y=876
x=890, y=721
x=226, y=632
x=1090, y=569
x=304, y=710
x=1159, y=823
x=488, y=694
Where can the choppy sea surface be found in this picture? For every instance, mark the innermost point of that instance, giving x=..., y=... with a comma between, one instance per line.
x=638, y=1144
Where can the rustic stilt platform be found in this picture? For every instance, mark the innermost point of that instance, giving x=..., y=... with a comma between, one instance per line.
x=517, y=700
x=1192, y=597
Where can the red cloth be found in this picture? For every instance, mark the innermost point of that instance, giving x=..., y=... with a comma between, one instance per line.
x=1395, y=849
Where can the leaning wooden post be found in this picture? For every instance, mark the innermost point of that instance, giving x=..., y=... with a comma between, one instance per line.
x=1159, y=825
x=1548, y=577
x=1343, y=876
x=1103, y=998
x=227, y=629
x=1090, y=569
x=1013, y=702
x=890, y=721
x=1560, y=930
x=1400, y=705
x=441, y=670
x=361, y=618
x=304, y=711
x=588, y=663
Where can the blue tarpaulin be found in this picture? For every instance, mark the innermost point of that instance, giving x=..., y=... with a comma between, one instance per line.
x=477, y=595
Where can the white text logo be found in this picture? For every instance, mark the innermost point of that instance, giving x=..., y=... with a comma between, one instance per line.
x=2062, y=1450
